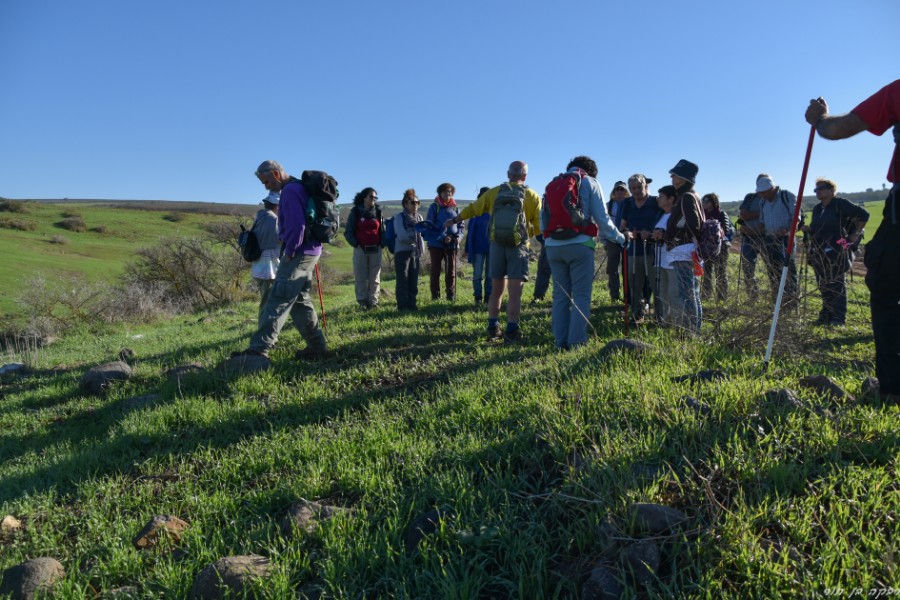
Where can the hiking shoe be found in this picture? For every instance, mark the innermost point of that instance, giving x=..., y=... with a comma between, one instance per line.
x=494, y=333
x=310, y=354
x=511, y=337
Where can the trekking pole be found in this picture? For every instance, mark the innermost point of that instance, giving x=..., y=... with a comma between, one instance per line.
x=790, y=247
x=805, y=271
x=657, y=258
x=625, y=283
x=321, y=301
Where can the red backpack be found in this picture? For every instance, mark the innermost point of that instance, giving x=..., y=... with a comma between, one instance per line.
x=562, y=212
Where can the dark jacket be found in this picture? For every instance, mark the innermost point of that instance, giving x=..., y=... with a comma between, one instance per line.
x=686, y=219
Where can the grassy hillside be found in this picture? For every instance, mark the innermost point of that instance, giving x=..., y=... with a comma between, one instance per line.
x=93, y=254
x=533, y=456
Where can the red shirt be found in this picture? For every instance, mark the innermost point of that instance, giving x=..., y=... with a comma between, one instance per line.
x=880, y=111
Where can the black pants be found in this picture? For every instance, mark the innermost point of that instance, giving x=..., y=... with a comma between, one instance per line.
x=406, y=265
x=882, y=258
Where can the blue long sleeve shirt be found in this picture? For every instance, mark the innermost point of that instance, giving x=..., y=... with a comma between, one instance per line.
x=594, y=208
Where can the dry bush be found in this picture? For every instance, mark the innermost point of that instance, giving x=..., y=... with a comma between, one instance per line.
x=71, y=214
x=58, y=239
x=103, y=229
x=75, y=224
x=55, y=305
x=136, y=302
x=175, y=217
x=14, y=206
x=226, y=232
x=7, y=223
x=192, y=272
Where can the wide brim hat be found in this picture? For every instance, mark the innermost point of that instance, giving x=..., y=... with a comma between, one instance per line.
x=273, y=198
x=686, y=170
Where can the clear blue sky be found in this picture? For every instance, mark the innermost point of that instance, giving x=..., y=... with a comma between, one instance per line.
x=182, y=100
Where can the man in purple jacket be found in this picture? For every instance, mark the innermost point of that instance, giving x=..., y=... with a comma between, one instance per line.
x=290, y=291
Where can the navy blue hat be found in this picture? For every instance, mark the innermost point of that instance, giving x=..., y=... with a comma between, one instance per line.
x=686, y=170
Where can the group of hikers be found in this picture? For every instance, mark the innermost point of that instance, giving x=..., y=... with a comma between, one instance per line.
x=660, y=241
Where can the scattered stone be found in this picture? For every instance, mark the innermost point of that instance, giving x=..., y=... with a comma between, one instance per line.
x=609, y=538
x=709, y=375
x=642, y=561
x=229, y=576
x=655, y=519
x=139, y=336
x=136, y=402
x=244, y=365
x=98, y=379
x=149, y=535
x=184, y=371
x=12, y=369
x=126, y=354
x=312, y=590
x=9, y=525
x=306, y=516
x=783, y=398
x=121, y=593
x=697, y=406
x=869, y=387
x=603, y=584
x=30, y=578
x=825, y=386
x=424, y=526
x=635, y=347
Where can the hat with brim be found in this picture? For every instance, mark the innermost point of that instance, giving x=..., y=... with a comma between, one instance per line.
x=686, y=170
x=764, y=184
x=273, y=198
x=620, y=184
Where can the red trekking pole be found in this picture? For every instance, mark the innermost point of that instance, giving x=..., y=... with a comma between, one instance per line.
x=321, y=301
x=625, y=282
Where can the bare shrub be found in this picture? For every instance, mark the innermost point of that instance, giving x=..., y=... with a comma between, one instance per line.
x=57, y=304
x=100, y=229
x=137, y=302
x=7, y=223
x=58, y=239
x=175, y=217
x=14, y=206
x=225, y=232
x=75, y=224
x=192, y=272
x=71, y=214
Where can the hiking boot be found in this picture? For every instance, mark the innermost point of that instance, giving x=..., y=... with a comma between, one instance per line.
x=537, y=300
x=310, y=354
x=511, y=337
x=494, y=333
x=477, y=300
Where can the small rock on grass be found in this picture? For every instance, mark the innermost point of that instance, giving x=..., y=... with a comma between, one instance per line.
x=603, y=584
x=99, y=379
x=149, y=535
x=12, y=369
x=230, y=577
x=9, y=525
x=184, y=371
x=38, y=575
x=825, y=386
x=424, y=526
x=642, y=561
x=655, y=519
x=869, y=387
x=306, y=516
x=783, y=398
x=709, y=375
x=636, y=348
x=697, y=406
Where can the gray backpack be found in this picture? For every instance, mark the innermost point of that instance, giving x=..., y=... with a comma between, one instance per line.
x=508, y=225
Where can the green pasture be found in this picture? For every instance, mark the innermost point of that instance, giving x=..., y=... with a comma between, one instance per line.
x=532, y=455
x=89, y=254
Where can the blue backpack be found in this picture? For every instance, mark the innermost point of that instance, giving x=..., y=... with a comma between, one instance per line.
x=390, y=234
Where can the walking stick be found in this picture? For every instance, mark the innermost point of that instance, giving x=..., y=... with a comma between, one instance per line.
x=657, y=258
x=625, y=283
x=790, y=247
x=321, y=301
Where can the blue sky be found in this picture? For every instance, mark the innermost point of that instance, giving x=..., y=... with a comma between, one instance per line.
x=181, y=100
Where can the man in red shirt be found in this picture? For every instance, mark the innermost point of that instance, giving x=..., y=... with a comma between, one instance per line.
x=876, y=114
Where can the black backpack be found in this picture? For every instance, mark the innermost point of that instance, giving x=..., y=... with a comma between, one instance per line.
x=249, y=245
x=322, y=214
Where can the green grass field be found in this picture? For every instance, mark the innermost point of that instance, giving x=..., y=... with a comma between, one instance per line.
x=532, y=454
x=89, y=254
